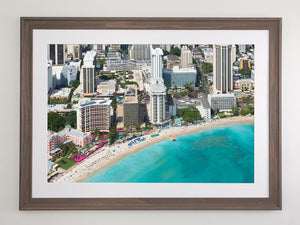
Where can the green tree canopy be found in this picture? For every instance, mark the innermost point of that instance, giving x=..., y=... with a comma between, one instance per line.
x=166, y=52
x=127, y=83
x=175, y=51
x=188, y=87
x=207, y=67
x=243, y=112
x=56, y=122
x=114, y=103
x=189, y=114
x=74, y=83
x=250, y=109
x=235, y=110
x=245, y=72
x=112, y=134
x=68, y=149
x=96, y=132
x=71, y=119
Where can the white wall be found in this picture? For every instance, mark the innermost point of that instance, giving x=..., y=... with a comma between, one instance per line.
x=11, y=10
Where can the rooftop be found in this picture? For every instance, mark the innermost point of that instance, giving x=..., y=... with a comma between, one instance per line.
x=208, y=53
x=207, y=50
x=88, y=59
x=157, y=88
x=69, y=68
x=87, y=102
x=156, y=51
x=177, y=69
x=72, y=132
x=196, y=50
x=131, y=94
x=57, y=107
x=57, y=70
x=172, y=58
x=106, y=87
x=186, y=102
x=69, y=130
x=121, y=62
x=75, y=63
x=229, y=95
x=54, y=151
x=245, y=81
x=203, y=100
x=62, y=92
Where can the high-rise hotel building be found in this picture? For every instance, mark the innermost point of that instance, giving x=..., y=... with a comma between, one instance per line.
x=222, y=99
x=139, y=52
x=156, y=65
x=56, y=53
x=222, y=69
x=157, y=88
x=94, y=114
x=157, y=100
x=88, y=73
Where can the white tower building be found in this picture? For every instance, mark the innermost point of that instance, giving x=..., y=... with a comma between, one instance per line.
x=233, y=50
x=156, y=65
x=158, y=107
x=186, y=57
x=157, y=88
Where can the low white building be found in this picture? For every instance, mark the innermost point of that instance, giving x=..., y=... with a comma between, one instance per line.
x=204, y=107
x=106, y=88
x=208, y=55
x=59, y=108
x=222, y=102
x=61, y=93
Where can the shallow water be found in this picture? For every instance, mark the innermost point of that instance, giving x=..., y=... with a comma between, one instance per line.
x=219, y=155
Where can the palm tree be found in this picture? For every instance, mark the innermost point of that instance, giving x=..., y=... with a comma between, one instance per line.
x=97, y=132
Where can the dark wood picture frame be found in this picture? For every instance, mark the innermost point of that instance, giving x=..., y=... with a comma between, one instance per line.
x=273, y=25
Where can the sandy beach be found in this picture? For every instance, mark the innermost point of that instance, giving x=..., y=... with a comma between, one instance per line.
x=107, y=156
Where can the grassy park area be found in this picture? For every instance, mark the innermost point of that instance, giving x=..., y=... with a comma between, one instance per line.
x=65, y=163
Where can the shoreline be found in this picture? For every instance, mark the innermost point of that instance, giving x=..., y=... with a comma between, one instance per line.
x=108, y=156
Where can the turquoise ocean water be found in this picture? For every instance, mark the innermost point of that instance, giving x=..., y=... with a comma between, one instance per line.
x=220, y=155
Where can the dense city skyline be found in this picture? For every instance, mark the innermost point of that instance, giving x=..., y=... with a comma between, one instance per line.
x=100, y=94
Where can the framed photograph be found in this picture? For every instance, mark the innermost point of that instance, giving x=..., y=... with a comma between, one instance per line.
x=150, y=113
